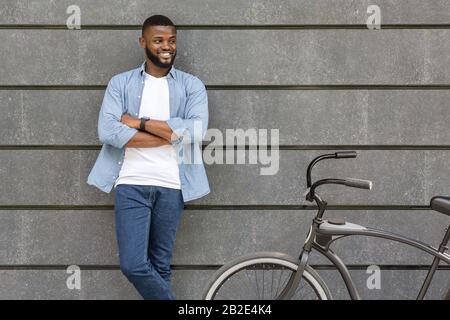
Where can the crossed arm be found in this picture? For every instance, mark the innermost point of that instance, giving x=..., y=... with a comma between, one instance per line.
x=157, y=133
x=121, y=130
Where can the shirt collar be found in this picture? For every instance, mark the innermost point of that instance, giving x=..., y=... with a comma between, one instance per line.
x=171, y=72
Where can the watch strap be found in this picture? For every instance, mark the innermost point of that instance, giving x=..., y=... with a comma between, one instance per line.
x=143, y=121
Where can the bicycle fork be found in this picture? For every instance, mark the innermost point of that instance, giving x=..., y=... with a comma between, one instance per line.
x=294, y=280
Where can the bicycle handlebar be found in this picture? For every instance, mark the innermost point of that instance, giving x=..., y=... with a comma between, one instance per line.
x=336, y=155
x=358, y=183
x=345, y=154
x=350, y=182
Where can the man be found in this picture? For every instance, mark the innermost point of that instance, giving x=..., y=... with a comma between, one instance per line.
x=152, y=119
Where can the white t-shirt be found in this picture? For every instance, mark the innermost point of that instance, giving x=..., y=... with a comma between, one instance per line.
x=155, y=166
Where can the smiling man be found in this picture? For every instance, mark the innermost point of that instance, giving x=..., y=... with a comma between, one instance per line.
x=149, y=118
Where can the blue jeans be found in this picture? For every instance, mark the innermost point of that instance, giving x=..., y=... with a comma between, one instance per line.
x=147, y=218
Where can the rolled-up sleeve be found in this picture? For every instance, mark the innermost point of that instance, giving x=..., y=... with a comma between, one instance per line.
x=110, y=130
x=192, y=128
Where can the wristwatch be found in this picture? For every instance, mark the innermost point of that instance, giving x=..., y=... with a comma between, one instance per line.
x=143, y=120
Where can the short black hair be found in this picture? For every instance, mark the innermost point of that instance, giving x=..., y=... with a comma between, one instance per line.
x=157, y=20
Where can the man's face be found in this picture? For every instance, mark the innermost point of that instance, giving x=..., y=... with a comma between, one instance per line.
x=160, y=44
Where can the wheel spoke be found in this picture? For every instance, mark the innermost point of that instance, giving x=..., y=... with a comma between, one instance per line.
x=257, y=287
x=279, y=281
x=271, y=286
x=263, y=282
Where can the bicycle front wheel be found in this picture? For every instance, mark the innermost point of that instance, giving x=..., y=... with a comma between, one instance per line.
x=263, y=276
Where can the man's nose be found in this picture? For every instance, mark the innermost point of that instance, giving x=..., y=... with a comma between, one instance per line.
x=165, y=45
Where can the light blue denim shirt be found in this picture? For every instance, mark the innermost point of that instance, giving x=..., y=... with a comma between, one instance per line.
x=188, y=120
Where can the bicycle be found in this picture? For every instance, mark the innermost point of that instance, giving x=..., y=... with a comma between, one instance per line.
x=290, y=278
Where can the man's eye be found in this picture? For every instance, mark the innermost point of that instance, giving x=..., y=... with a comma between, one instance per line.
x=157, y=41
x=172, y=42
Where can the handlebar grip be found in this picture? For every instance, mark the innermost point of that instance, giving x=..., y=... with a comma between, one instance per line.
x=345, y=154
x=358, y=183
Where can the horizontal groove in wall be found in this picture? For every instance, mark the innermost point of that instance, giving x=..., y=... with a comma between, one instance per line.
x=254, y=87
x=52, y=87
x=333, y=87
x=306, y=207
x=229, y=26
x=224, y=207
x=217, y=266
x=50, y=147
x=246, y=147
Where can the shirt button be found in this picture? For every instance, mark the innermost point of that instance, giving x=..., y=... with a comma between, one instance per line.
x=120, y=162
x=139, y=96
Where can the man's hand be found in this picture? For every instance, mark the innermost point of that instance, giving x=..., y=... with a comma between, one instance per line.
x=130, y=121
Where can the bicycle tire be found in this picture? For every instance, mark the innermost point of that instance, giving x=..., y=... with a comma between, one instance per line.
x=266, y=261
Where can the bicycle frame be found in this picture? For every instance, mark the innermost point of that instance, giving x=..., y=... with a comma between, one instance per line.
x=323, y=233
x=328, y=231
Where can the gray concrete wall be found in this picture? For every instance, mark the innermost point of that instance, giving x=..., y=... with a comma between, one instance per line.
x=326, y=82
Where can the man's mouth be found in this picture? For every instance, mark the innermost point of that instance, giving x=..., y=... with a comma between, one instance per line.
x=166, y=55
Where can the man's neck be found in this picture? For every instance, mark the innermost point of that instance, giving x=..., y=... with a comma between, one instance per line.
x=155, y=71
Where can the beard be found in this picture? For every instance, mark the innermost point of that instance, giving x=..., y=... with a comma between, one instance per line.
x=155, y=59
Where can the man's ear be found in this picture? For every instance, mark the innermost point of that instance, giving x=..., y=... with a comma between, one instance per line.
x=142, y=42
